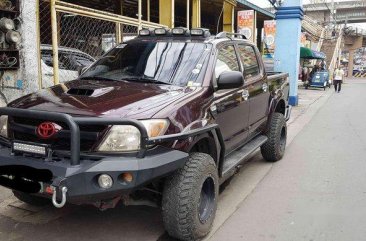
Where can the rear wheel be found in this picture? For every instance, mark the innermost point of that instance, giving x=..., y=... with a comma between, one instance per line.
x=190, y=198
x=274, y=149
x=31, y=200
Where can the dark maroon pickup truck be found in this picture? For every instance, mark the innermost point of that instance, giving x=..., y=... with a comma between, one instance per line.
x=163, y=119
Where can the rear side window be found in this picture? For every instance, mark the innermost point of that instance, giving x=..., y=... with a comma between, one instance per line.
x=249, y=60
x=226, y=60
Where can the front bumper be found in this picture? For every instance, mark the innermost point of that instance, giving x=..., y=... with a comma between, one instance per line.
x=73, y=175
x=81, y=180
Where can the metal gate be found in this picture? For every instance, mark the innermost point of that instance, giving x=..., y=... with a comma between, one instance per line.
x=71, y=37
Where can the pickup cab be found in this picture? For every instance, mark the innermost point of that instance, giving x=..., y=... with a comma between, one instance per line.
x=163, y=119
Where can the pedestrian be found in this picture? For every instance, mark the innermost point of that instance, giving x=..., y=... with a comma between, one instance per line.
x=338, y=79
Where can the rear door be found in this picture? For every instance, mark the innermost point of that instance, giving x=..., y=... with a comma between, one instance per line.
x=257, y=85
x=231, y=107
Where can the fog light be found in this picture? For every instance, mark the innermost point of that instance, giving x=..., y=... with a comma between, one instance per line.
x=105, y=181
x=127, y=177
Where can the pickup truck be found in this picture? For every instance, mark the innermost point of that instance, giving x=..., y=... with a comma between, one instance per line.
x=163, y=119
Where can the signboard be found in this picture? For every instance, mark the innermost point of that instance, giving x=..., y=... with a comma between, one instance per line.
x=269, y=37
x=247, y=24
x=303, y=40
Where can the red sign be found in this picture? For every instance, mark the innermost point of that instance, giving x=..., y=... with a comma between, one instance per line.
x=246, y=24
x=47, y=129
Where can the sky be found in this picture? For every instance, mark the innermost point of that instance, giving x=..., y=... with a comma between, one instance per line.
x=266, y=4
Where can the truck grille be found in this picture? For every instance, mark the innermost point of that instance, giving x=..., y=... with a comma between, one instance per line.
x=23, y=129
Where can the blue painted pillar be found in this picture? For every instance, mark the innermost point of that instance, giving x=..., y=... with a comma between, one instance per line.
x=287, y=52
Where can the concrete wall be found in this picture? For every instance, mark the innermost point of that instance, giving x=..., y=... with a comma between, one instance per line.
x=25, y=80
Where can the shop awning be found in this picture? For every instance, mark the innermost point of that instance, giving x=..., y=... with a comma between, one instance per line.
x=306, y=53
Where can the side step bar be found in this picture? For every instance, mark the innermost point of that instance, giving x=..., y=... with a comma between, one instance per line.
x=237, y=157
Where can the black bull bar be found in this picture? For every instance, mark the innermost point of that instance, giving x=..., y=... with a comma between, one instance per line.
x=74, y=122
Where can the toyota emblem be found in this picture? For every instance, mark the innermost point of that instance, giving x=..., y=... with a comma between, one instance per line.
x=47, y=129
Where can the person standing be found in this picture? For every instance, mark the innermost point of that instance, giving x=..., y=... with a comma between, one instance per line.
x=338, y=79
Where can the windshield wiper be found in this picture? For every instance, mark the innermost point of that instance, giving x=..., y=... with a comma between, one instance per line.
x=96, y=78
x=146, y=80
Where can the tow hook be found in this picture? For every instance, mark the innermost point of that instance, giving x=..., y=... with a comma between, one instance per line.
x=54, y=197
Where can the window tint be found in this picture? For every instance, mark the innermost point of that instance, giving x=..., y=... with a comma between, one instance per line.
x=226, y=60
x=249, y=60
x=173, y=62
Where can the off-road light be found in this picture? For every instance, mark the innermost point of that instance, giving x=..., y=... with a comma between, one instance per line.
x=179, y=31
x=105, y=181
x=160, y=31
x=197, y=32
x=21, y=147
x=144, y=32
x=13, y=37
x=6, y=24
x=200, y=32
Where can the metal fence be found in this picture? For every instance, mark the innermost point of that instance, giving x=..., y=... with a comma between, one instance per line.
x=72, y=37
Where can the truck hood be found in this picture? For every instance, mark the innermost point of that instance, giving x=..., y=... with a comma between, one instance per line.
x=104, y=98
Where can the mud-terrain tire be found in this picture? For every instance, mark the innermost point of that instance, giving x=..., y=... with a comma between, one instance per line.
x=31, y=200
x=274, y=149
x=190, y=198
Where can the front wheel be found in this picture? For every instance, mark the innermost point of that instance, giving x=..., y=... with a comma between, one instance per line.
x=190, y=198
x=274, y=149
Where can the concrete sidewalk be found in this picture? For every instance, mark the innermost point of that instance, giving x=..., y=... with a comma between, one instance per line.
x=256, y=169
x=317, y=191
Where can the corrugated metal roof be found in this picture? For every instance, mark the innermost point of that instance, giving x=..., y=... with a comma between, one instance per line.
x=256, y=8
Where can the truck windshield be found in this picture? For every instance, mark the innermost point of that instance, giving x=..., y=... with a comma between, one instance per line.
x=161, y=62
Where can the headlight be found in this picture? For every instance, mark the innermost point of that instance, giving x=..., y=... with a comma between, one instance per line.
x=4, y=126
x=126, y=138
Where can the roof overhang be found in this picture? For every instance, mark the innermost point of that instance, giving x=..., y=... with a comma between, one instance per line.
x=257, y=8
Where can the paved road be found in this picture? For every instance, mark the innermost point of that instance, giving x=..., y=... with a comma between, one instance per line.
x=318, y=191
x=21, y=222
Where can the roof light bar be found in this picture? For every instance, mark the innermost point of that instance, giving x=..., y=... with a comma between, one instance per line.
x=200, y=32
x=197, y=32
x=160, y=31
x=144, y=32
x=179, y=31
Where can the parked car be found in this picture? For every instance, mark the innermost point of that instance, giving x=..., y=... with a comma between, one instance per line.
x=162, y=119
x=71, y=62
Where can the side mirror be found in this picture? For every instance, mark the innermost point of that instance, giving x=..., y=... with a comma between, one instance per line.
x=230, y=80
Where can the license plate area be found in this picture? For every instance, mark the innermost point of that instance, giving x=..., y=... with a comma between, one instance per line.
x=30, y=148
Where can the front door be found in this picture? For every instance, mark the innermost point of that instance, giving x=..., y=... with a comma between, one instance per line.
x=257, y=86
x=230, y=107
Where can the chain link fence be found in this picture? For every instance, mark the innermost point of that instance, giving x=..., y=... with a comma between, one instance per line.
x=81, y=41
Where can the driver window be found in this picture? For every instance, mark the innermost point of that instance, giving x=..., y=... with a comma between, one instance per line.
x=226, y=60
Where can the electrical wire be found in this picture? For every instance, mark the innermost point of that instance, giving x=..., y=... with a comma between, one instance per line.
x=218, y=21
